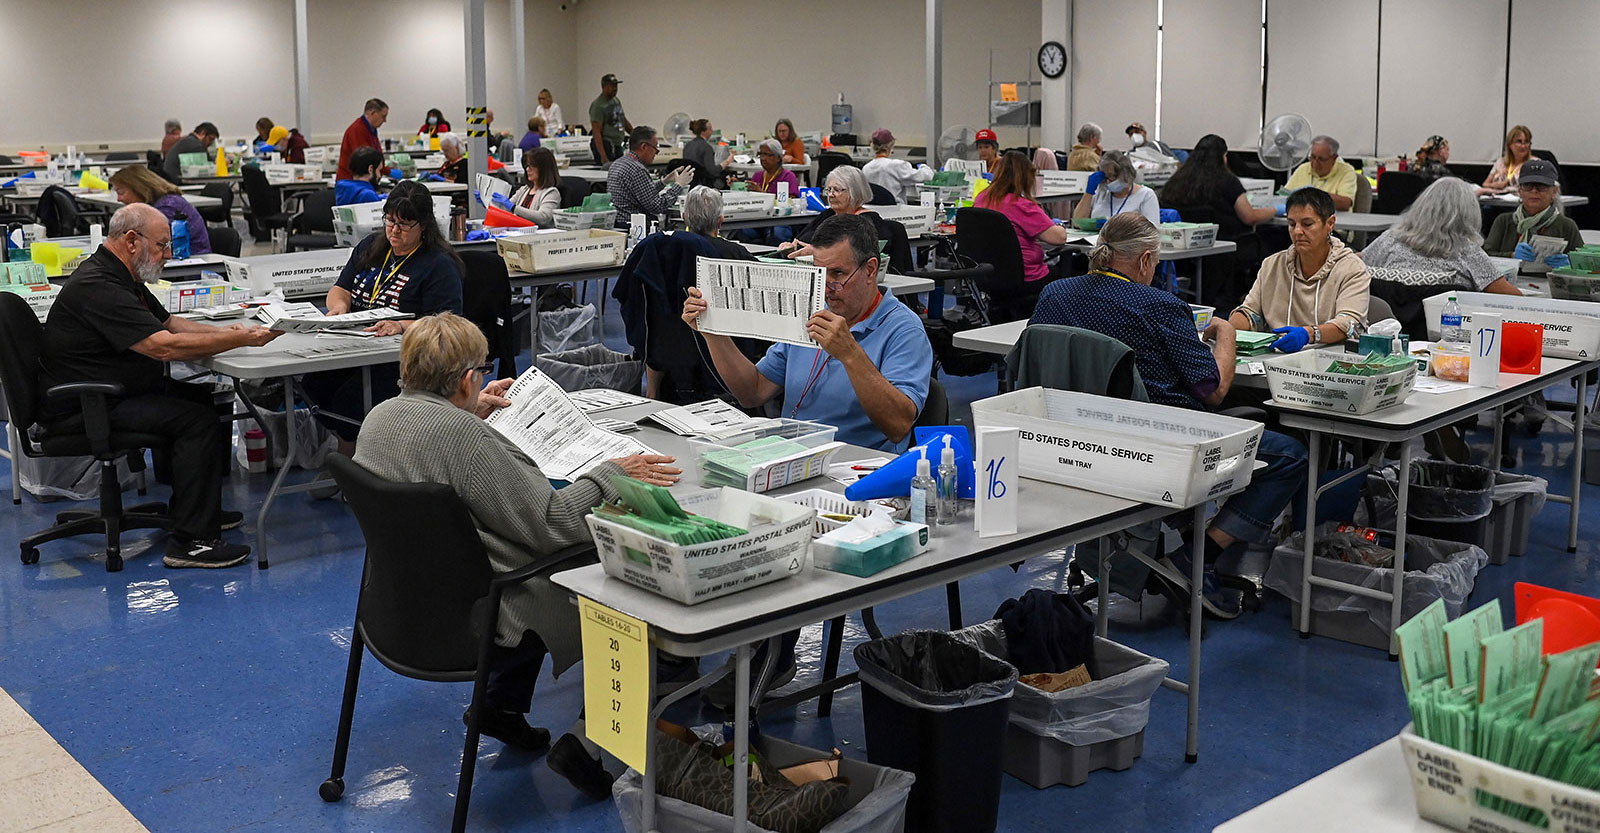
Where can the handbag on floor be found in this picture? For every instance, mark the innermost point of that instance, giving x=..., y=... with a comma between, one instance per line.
x=694, y=770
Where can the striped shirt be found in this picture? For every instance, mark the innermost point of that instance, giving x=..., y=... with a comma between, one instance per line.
x=634, y=191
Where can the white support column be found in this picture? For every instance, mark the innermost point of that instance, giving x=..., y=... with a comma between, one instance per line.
x=519, y=61
x=302, y=70
x=1056, y=93
x=477, y=101
x=935, y=50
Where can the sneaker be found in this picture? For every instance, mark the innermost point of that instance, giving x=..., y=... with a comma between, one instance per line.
x=231, y=519
x=213, y=552
x=571, y=761
x=510, y=728
x=1218, y=601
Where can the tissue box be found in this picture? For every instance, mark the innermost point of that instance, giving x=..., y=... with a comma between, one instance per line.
x=864, y=558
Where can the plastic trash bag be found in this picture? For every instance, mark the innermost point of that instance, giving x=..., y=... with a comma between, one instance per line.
x=565, y=329
x=1114, y=706
x=877, y=797
x=70, y=478
x=1436, y=570
x=595, y=366
x=1450, y=492
x=313, y=442
x=934, y=671
x=1383, y=494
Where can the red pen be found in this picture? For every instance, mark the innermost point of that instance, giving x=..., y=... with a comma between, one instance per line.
x=865, y=468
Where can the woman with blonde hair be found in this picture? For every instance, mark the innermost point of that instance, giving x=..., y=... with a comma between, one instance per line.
x=1518, y=149
x=139, y=184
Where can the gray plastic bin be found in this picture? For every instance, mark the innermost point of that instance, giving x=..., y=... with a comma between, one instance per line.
x=1437, y=570
x=1060, y=737
x=877, y=794
x=1515, y=500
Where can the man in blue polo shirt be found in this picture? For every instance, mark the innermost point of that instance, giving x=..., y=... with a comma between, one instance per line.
x=869, y=374
x=366, y=165
x=1178, y=369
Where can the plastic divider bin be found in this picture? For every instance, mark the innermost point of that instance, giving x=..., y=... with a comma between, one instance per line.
x=1448, y=785
x=937, y=707
x=1436, y=570
x=812, y=443
x=877, y=798
x=1060, y=737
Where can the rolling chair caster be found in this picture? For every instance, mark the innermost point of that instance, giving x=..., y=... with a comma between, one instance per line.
x=113, y=562
x=30, y=555
x=331, y=790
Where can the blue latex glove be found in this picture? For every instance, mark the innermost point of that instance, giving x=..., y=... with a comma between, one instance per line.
x=1524, y=252
x=396, y=173
x=1294, y=338
x=1282, y=209
x=431, y=178
x=1094, y=182
x=1558, y=261
x=501, y=202
x=479, y=234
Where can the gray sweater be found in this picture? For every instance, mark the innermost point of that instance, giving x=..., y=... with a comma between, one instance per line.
x=424, y=438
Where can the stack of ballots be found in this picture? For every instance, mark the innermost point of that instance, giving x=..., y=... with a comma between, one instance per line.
x=653, y=511
x=1251, y=343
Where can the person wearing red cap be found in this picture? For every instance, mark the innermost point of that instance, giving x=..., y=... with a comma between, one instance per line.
x=988, y=149
x=893, y=175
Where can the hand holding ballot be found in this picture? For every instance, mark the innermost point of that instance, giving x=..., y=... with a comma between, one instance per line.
x=493, y=398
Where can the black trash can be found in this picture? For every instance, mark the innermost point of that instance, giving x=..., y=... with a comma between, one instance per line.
x=938, y=708
x=1451, y=501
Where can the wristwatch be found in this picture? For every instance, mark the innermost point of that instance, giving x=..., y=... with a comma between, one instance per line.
x=1316, y=335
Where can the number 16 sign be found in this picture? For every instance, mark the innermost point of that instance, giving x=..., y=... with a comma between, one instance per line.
x=616, y=680
x=995, y=512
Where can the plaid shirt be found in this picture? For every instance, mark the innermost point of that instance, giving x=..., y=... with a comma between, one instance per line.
x=634, y=191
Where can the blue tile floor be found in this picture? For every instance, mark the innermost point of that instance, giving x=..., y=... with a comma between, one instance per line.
x=207, y=700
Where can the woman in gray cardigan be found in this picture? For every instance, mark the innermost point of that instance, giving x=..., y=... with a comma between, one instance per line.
x=434, y=432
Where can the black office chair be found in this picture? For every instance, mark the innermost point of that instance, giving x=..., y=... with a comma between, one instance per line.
x=936, y=408
x=224, y=240
x=701, y=175
x=312, y=226
x=880, y=195
x=6, y=160
x=1397, y=190
x=20, y=337
x=827, y=161
x=1227, y=275
x=221, y=214
x=572, y=190
x=153, y=160
x=486, y=300
x=59, y=214
x=263, y=204
x=122, y=156
x=987, y=237
x=429, y=600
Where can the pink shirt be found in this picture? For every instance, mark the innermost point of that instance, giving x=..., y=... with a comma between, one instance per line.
x=1030, y=221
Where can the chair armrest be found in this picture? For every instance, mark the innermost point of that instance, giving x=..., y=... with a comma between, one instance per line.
x=972, y=273
x=96, y=416
x=584, y=552
x=1249, y=412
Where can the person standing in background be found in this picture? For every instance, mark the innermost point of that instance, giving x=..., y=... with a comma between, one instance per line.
x=550, y=111
x=608, y=121
x=173, y=132
x=363, y=132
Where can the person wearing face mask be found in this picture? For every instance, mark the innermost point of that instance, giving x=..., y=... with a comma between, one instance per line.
x=1316, y=291
x=435, y=124
x=1138, y=138
x=1539, y=215
x=105, y=326
x=1115, y=299
x=868, y=373
x=1113, y=189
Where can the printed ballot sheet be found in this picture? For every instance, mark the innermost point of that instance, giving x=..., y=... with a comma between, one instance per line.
x=769, y=301
x=711, y=418
x=296, y=318
x=553, y=432
x=595, y=400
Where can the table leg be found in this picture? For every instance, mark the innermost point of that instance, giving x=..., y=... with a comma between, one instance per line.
x=283, y=471
x=1499, y=436
x=1199, y=279
x=1579, y=417
x=741, y=738
x=952, y=600
x=1313, y=463
x=1197, y=566
x=1400, y=512
x=1102, y=592
x=366, y=389
x=647, y=803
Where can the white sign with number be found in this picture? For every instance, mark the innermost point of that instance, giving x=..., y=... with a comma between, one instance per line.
x=995, y=512
x=1483, y=369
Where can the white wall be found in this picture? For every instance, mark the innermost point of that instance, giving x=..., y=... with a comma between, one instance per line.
x=231, y=62
x=743, y=65
x=1553, y=96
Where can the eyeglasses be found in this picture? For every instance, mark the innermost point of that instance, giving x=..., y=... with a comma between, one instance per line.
x=1536, y=187
x=164, y=245
x=834, y=189
x=835, y=286
x=403, y=225
x=484, y=370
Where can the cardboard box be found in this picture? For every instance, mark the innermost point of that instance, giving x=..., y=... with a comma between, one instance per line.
x=1302, y=379
x=1188, y=235
x=776, y=546
x=1258, y=187
x=918, y=219
x=1136, y=450
x=298, y=274
x=570, y=146
x=551, y=250
x=38, y=296
x=1447, y=782
x=1069, y=182
x=573, y=219
x=1571, y=328
x=815, y=440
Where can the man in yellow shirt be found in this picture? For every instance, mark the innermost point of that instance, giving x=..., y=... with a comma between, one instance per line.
x=1325, y=171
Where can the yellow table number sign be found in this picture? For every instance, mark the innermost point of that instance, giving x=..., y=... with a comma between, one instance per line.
x=616, y=681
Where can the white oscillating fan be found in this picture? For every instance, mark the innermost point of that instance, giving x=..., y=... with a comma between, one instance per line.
x=1285, y=141
x=676, y=126
x=956, y=143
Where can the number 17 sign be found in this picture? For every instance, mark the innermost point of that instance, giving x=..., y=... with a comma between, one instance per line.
x=616, y=681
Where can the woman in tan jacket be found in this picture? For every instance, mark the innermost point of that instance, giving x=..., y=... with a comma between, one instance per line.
x=1314, y=292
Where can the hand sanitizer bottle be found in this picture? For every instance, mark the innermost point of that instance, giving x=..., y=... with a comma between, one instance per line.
x=947, y=484
x=922, y=491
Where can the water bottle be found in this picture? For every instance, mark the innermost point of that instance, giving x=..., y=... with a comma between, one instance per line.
x=1450, y=329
